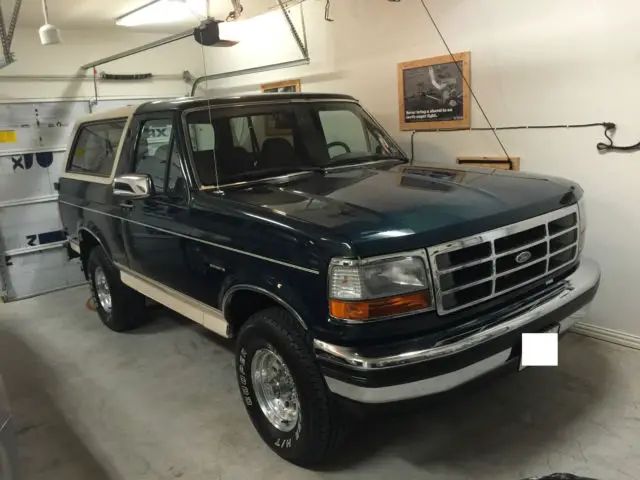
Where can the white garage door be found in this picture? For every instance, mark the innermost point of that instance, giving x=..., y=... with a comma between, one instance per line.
x=33, y=253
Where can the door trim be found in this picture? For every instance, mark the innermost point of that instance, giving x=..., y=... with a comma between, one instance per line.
x=206, y=242
x=207, y=316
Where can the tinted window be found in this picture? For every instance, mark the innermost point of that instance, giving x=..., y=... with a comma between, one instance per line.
x=154, y=150
x=202, y=137
x=95, y=148
x=272, y=140
x=343, y=131
x=231, y=146
x=176, y=183
x=349, y=135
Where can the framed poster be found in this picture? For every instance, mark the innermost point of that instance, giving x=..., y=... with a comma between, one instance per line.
x=279, y=124
x=432, y=93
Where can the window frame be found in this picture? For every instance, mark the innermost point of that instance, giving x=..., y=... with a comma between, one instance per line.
x=95, y=177
x=165, y=196
x=173, y=143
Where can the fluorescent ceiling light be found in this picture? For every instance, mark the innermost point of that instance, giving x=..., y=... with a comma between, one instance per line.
x=165, y=11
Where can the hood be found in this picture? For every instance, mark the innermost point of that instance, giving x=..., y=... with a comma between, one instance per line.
x=405, y=207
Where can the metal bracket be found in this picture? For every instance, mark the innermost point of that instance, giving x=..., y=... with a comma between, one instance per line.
x=6, y=36
x=7, y=61
x=302, y=46
x=148, y=46
x=294, y=32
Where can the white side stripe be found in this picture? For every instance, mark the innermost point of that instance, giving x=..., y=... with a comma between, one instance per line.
x=224, y=247
x=75, y=246
x=209, y=317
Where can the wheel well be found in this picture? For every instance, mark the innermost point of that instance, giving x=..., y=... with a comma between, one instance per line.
x=87, y=242
x=242, y=305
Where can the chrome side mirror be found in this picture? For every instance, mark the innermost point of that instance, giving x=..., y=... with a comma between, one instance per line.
x=133, y=185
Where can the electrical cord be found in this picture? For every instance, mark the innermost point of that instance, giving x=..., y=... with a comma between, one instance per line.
x=327, y=11
x=609, y=129
x=127, y=76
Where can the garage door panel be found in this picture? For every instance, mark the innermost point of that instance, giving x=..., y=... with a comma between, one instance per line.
x=39, y=272
x=30, y=225
x=32, y=158
x=23, y=178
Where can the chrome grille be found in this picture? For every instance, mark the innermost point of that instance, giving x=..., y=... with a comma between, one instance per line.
x=474, y=269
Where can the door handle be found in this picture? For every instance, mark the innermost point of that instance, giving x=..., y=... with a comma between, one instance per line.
x=126, y=204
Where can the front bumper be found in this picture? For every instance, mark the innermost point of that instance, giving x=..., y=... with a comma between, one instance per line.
x=426, y=371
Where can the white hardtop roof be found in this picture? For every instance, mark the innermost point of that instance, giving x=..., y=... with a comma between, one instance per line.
x=107, y=114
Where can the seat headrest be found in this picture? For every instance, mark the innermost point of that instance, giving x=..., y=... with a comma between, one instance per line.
x=276, y=152
x=276, y=143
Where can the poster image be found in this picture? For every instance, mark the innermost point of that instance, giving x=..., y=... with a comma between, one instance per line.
x=433, y=94
x=276, y=124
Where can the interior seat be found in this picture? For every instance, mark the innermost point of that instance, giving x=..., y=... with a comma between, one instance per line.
x=277, y=152
x=230, y=162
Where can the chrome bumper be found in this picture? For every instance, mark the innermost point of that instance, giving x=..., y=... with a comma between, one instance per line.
x=583, y=280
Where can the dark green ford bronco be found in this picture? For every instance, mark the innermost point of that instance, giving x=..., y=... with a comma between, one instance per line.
x=295, y=224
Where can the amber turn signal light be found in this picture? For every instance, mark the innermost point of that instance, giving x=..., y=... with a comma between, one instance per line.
x=384, y=307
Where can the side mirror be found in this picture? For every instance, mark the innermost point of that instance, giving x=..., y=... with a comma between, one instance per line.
x=133, y=185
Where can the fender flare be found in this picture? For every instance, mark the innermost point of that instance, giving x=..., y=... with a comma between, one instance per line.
x=84, y=228
x=228, y=295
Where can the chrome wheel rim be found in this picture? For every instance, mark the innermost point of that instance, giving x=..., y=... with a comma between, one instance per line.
x=275, y=389
x=102, y=289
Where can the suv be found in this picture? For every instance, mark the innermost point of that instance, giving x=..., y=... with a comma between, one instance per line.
x=295, y=224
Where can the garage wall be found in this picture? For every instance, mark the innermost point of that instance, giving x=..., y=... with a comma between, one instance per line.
x=532, y=63
x=80, y=47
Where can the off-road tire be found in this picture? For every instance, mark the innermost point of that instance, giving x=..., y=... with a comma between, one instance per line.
x=319, y=429
x=127, y=306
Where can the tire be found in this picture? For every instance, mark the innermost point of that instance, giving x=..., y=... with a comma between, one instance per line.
x=317, y=430
x=127, y=306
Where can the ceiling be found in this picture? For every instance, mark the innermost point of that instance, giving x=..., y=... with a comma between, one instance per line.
x=88, y=14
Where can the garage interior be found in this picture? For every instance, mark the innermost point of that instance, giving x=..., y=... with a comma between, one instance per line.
x=548, y=85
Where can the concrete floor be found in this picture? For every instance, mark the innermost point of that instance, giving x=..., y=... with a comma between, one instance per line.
x=161, y=403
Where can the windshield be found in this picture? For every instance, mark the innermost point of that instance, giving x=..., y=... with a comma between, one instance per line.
x=251, y=143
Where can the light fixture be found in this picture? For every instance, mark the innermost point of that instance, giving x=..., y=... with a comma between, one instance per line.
x=49, y=34
x=164, y=11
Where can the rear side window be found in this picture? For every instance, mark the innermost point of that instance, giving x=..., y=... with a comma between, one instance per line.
x=95, y=149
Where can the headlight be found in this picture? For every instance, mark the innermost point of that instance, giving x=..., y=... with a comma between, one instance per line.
x=377, y=288
x=582, y=218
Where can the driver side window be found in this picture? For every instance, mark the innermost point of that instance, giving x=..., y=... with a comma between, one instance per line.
x=153, y=151
x=158, y=156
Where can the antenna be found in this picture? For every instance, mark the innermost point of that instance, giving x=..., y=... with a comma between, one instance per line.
x=213, y=147
x=466, y=81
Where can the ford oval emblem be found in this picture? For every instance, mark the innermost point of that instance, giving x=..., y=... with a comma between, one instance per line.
x=523, y=257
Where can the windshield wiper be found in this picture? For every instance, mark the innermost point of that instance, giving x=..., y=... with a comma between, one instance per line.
x=270, y=174
x=365, y=159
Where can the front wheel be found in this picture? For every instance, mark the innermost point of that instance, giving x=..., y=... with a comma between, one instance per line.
x=283, y=389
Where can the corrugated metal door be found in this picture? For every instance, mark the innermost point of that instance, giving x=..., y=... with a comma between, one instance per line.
x=33, y=137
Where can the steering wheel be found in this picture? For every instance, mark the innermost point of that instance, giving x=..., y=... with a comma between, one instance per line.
x=339, y=144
